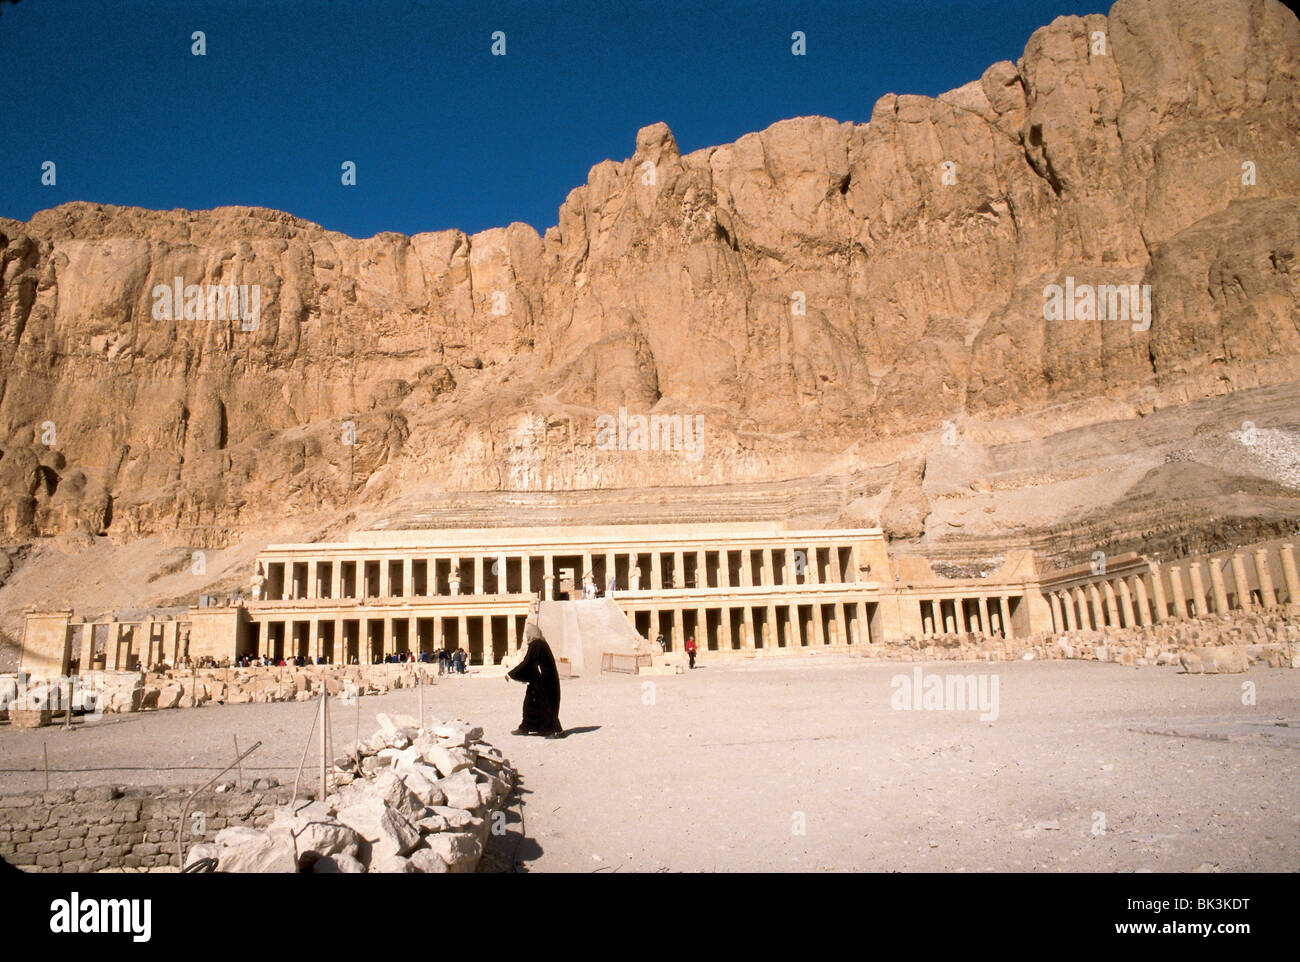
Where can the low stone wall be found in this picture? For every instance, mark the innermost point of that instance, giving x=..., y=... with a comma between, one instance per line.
x=88, y=829
x=124, y=692
x=406, y=799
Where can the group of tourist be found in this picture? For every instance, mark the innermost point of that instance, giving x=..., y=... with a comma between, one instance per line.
x=449, y=662
x=452, y=662
x=691, y=647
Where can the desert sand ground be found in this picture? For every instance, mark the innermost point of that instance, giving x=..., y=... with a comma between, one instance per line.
x=1088, y=767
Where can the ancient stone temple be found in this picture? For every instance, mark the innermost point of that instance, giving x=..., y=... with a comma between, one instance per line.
x=734, y=587
x=740, y=589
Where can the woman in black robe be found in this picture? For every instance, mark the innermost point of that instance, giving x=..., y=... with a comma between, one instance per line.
x=542, y=699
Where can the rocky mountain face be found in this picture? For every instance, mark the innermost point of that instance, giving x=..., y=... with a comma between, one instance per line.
x=819, y=298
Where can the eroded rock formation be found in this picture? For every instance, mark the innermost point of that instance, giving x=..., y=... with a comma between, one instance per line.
x=826, y=295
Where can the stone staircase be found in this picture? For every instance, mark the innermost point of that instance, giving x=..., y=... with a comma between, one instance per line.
x=582, y=631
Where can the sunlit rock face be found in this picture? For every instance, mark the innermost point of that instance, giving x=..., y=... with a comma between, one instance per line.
x=822, y=298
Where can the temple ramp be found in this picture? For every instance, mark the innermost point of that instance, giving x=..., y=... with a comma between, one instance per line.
x=582, y=631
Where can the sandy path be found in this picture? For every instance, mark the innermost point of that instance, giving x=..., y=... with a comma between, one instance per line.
x=714, y=772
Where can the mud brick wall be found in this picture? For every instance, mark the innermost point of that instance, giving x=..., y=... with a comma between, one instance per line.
x=88, y=829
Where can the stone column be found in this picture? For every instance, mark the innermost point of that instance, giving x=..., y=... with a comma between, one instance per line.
x=503, y=575
x=1067, y=602
x=462, y=633
x=1218, y=587
x=1087, y=617
x=1058, y=615
x=679, y=629
x=949, y=623
x=927, y=620
x=864, y=626
x=526, y=573
x=748, y=640
x=766, y=575
x=818, y=631
x=1096, y=606
x=771, y=635
x=1112, y=607
x=1126, y=603
x=1241, y=582
x=1267, y=596
x=1290, y=574
x=791, y=578
x=1159, y=601
x=656, y=573
x=724, y=568
x=611, y=570
x=746, y=569
x=679, y=569
x=1176, y=587
x=453, y=575
x=837, y=575
x=796, y=627
x=1143, y=606
x=312, y=592
x=841, y=626
x=384, y=588
x=584, y=576
x=1005, y=608
x=814, y=576
x=702, y=629
x=336, y=579
x=548, y=577
x=389, y=647
x=634, y=576
x=725, y=639
x=489, y=648
x=88, y=646
x=1198, y=588
x=478, y=575
x=437, y=632
x=313, y=639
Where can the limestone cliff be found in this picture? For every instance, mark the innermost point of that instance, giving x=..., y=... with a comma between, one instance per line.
x=825, y=296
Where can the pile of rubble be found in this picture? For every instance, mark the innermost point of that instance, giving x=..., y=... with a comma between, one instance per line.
x=408, y=799
x=1211, y=644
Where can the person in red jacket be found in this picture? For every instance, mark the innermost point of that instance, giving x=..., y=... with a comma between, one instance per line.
x=690, y=649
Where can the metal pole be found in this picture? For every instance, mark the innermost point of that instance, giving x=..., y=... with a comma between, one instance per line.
x=67, y=715
x=302, y=761
x=420, y=686
x=45, y=752
x=241, y=767
x=324, y=742
x=180, y=823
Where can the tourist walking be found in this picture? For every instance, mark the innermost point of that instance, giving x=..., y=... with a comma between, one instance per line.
x=690, y=649
x=541, y=715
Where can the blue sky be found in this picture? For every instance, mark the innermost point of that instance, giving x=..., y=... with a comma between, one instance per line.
x=443, y=133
